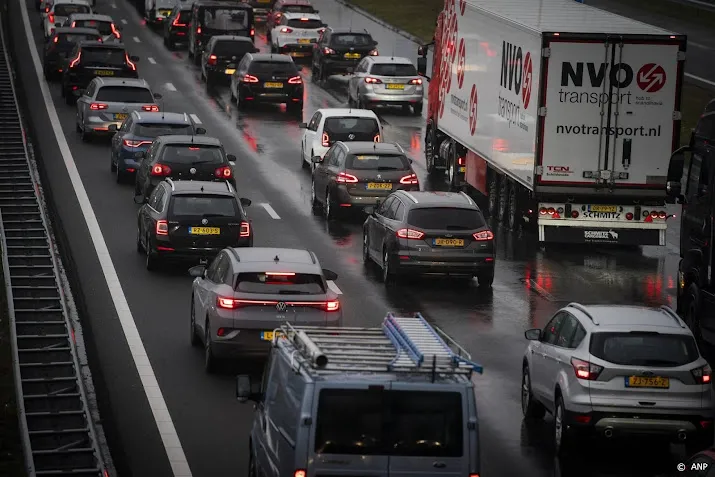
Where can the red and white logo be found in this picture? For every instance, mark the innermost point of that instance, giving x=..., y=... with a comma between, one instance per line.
x=461, y=59
x=527, y=81
x=448, y=55
x=473, y=100
x=462, y=6
x=651, y=78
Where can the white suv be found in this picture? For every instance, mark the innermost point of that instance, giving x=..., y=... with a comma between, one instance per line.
x=618, y=370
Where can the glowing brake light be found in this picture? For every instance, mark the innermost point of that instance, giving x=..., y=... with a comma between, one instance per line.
x=115, y=32
x=483, y=236
x=160, y=170
x=47, y=9
x=332, y=305
x=162, y=227
x=75, y=62
x=51, y=18
x=253, y=31
x=198, y=31
x=223, y=172
x=325, y=140
x=376, y=138
x=369, y=80
x=374, y=53
x=152, y=108
x=286, y=30
x=328, y=51
x=409, y=179
x=410, y=234
x=249, y=79
x=74, y=24
x=177, y=24
x=98, y=106
x=129, y=62
x=299, y=473
x=227, y=303
x=212, y=60
x=130, y=143
x=586, y=370
x=295, y=80
x=416, y=81
x=321, y=30
x=305, y=19
x=57, y=39
x=280, y=274
x=245, y=230
x=703, y=375
x=345, y=178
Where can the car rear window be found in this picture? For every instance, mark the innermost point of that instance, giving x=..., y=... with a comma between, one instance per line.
x=94, y=56
x=65, y=10
x=185, y=17
x=382, y=162
x=395, y=423
x=124, y=94
x=272, y=68
x=644, y=349
x=105, y=28
x=162, y=129
x=298, y=9
x=351, y=39
x=362, y=129
x=71, y=39
x=285, y=283
x=225, y=19
x=202, y=206
x=446, y=218
x=181, y=154
x=232, y=48
x=393, y=70
x=308, y=24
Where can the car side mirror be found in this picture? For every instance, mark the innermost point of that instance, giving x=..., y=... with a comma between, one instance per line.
x=200, y=131
x=157, y=96
x=303, y=125
x=533, y=334
x=245, y=202
x=422, y=66
x=329, y=274
x=317, y=159
x=231, y=157
x=369, y=210
x=244, y=389
x=134, y=58
x=374, y=43
x=198, y=271
x=316, y=12
x=139, y=199
x=112, y=128
x=411, y=161
x=256, y=50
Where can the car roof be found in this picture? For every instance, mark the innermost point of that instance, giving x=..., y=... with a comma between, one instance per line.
x=629, y=318
x=264, y=259
x=78, y=31
x=244, y=39
x=91, y=16
x=215, y=3
x=162, y=118
x=349, y=30
x=71, y=2
x=424, y=199
x=390, y=60
x=299, y=15
x=345, y=112
x=208, y=187
x=93, y=43
x=129, y=82
x=369, y=147
x=188, y=140
x=271, y=57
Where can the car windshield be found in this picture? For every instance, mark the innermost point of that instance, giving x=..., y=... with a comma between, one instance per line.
x=393, y=70
x=124, y=94
x=298, y=9
x=382, y=162
x=186, y=154
x=225, y=19
x=65, y=9
x=644, y=349
x=395, y=423
x=278, y=283
x=203, y=205
x=233, y=48
x=446, y=218
x=361, y=129
x=351, y=39
x=71, y=39
x=274, y=68
x=162, y=129
x=105, y=28
x=94, y=56
x=308, y=24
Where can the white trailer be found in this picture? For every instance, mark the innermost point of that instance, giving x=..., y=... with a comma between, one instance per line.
x=563, y=115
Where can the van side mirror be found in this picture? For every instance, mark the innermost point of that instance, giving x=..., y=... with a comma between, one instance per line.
x=200, y=131
x=303, y=125
x=329, y=274
x=533, y=334
x=231, y=157
x=422, y=66
x=245, y=202
x=139, y=199
x=244, y=389
x=112, y=128
x=198, y=271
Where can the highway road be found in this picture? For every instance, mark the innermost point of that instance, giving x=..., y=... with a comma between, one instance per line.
x=211, y=428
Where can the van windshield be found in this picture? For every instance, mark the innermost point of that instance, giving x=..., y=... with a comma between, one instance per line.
x=396, y=423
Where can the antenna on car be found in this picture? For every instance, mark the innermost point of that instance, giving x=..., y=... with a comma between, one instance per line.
x=276, y=259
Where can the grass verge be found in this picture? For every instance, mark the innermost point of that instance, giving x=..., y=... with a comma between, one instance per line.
x=423, y=15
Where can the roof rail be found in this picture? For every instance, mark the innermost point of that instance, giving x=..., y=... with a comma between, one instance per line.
x=583, y=310
x=469, y=199
x=669, y=311
x=235, y=254
x=230, y=187
x=171, y=183
x=402, y=345
x=312, y=256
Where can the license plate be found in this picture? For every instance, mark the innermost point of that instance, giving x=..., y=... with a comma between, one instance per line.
x=352, y=56
x=603, y=208
x=297, y=54
x=267, y=335
x=165, y=13
x=103, y=73
x=647, y=382
x=120, y=116
x=379, y=186
x=273, y=85
x=445, y=242
x=395, y=86
x=463, y=169
x=304, y=41
x=204, y=230
x=230, y=71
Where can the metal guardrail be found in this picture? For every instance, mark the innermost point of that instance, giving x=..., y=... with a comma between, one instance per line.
x=58, y=434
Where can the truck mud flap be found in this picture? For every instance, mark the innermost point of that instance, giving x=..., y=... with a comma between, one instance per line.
x=595, y=235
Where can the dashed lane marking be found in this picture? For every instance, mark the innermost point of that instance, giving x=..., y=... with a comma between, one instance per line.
x=124, y=22
x=136, y=39
x=171, y=87
x=698, y=78
x=151, y=60
x=270, y=211
x=334, y=287
x=155, y=397
x=193, y=116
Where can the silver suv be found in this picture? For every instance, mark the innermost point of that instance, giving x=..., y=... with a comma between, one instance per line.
x=618, y=370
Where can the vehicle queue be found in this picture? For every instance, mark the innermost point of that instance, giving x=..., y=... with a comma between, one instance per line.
x=190, y=211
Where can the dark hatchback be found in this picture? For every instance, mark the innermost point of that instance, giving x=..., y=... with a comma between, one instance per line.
x=261, y=8
x=222, y=56
x=211, y=18
x=176, y=28
x=199, y=158
x=61, y=44
x=268, y=78
x=90, y=59
x=191, y=220
x=339, y=51
x=430, y=232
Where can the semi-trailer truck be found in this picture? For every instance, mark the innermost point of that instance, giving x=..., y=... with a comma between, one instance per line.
x=562, y=116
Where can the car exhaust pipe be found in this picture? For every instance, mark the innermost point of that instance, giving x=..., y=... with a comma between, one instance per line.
x=682, y=436
x=608, y=432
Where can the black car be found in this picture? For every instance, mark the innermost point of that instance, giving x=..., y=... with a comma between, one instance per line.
x=176, y=28
x=211, y=18
x=429, y=232
x=268, y=78
x=90, y=59
x=200, y=158
x=191, y=220
x=61, y=44
x=261, y=8
x=339, y=51
x=222, y=56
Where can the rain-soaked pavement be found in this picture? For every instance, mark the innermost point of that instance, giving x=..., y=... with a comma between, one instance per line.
x=531, y=283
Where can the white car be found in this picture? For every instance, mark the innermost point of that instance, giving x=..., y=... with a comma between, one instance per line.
x=60, y=11
x=330, y=125
x=296, y=33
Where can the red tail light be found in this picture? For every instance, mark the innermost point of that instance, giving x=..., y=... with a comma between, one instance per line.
x=115, y=32
x=376, y=138
x=253, y=31
x=409, y=179
x=212, y=60
x=177, y=24
x=460, y=161
x=47, y=9
x=152, y=108
x=295, y=80
x=703, y=375
x=410, y=234
x=586, y=370
x=345, y=178
x=227, y=303
x=98, y=106
x=325, y=140
x=543, y=211
x=286, y=30
x=300, y=473
x=129, y=62
x=57, y=39
x=130, y=143
x=74, y=24
x=416, y=81
x=332, y=305
x=328, y=51
x=483, y=236
x=249, y=79
x=224, y=172
x=75, y=62
x=321, y=30
x=369, y=80
x=160, y=170
x=245, y=230
x=51, y=18
x=162, y=227
x=198, y=31
x=374, y=53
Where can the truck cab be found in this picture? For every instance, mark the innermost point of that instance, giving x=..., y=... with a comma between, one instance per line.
x=695, y=291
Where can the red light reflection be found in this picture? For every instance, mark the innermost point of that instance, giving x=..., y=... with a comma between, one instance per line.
x=415, y=144
x=250, y=139
x=488, y=49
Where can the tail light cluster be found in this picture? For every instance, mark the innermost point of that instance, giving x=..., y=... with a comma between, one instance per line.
x=483, y=236
x=245, y=230
x=177, y=24
x=115, y=32
x=370, y=80
x=416, y=81
x=374, y=53
x=286, y=30
x=134, y=144
x=345, y=178
x=703, y=375
x=130, y=64
x=328, y=51
x=160, y=170
x=650, y=216
x=295, y=80
x=376, y=138
x=325, y=140
x=552, y=212
x=224, y=172
x=249, y=79
x=51, y=18
x=162, y=227
x=410, y=234
x=212, y=60
x=586, y=370
x=253, y=32
x=98, y=106
x=410, y=179
x=152, y=108
x=228, y=303
x=75, y=61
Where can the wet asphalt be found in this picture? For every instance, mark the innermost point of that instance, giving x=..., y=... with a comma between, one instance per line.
x=530, y=285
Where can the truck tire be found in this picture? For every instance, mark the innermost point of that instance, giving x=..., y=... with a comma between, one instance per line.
x=515, y=211
x=453, y=178
x=493, y=191
x=429, y=151
x=503, y=206
x=691, y=310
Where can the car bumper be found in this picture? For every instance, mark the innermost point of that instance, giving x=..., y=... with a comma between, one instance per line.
x=603, y=232
x=422, y=263
x=166, y=252
x=296, y=50
x=340, y=66
x=295, y=96
x=344, y=197
x=127, y=160
x=396, y=99
x=98, y=125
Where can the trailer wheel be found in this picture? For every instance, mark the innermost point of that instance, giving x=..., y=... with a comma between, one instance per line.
x=493, y=198
x=504, y=194
x=515, y=210
x=429, y=150
x=692, y=308
x=453, y=169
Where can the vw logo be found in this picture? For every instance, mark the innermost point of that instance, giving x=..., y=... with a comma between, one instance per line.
x=192, y=170
x=204, y=221
x=352, y=49
x=379, y=176
x=448, y=235
x=351, y=136
x=281, y=307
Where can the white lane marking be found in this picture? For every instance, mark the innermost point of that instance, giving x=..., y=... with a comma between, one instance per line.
x=699, y=45
x=170, y=87
x=151, y=60
x=334, y=287
x=270, y=211
x=698, y=78
x=194, y=117
x=124, y=22
x=113, y=5
x=136, y=39
x=233, y=163
x=155, y=398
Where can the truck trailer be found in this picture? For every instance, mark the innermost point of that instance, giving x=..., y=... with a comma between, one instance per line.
x=562, y=116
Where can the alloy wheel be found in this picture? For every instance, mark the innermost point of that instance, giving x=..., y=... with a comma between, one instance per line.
x=558, y=426
x=365, y=248
x=327, y=206
x=525, y=392
x=386, y=267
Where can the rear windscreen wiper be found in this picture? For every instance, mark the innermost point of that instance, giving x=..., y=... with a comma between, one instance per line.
x=292, y=292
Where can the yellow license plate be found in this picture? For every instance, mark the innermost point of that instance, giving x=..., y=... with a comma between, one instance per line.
x=463, y=169
x=394, y=86
x=647, y=382
x=104, y=72
x=304, y=41
x=379, y=186
x=267, y=335
x=166, y=13
x=204, y=230
x=230, y=71
x=603, y=208
x=445, y=242
x=352, y=56
x=297, y=54
x=119, y=116
x=273, y=85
